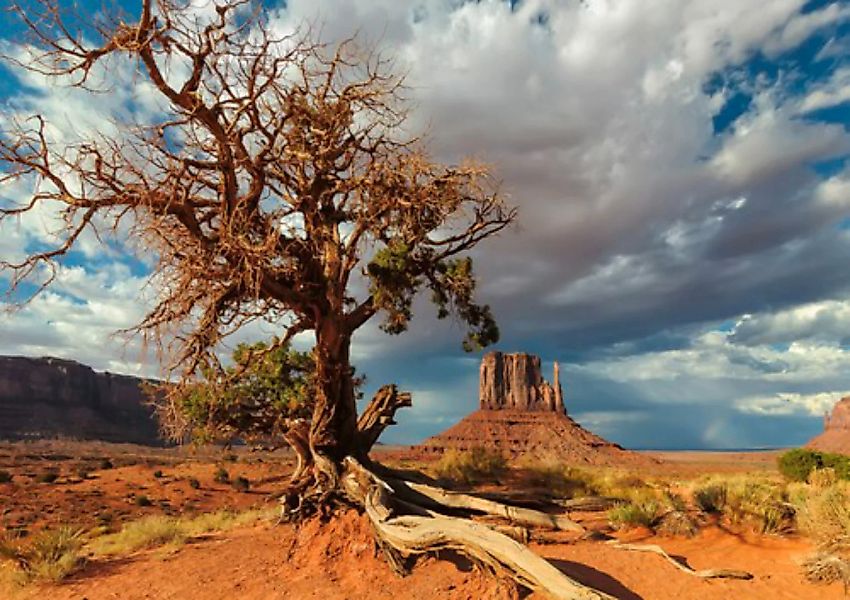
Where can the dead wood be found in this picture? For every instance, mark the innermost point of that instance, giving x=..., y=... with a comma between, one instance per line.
x=379, y=415
x=411, y=535
x=516, y=515
x=703, y=573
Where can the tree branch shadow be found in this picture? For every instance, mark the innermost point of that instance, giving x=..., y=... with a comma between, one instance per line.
x=596, y=579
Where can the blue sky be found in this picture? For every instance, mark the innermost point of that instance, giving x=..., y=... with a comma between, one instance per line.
x=681, y=170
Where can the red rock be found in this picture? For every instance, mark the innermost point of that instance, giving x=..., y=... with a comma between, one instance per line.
x=514, y=382
x=836, y=434
x=521, y=414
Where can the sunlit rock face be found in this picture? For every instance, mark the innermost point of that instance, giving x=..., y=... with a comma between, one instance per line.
x=515, y=382
x=836, y=430
x=51, y=397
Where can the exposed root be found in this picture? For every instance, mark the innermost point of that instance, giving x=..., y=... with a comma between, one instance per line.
x=517, y=515
x=704, y=573
x=411, y=535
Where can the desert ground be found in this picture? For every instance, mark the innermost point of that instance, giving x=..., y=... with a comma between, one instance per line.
x=97, y=487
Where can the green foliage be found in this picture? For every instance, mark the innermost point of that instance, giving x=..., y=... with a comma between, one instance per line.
x=194, y=483
x=396, y=273
x=265, y=386
x=798, y=464
x=143, y=501
x=105, y=464
x=241, y=484
x=642, y=511
x=221, y=476
x=157, y=474
x=5, y=476
x=472, y=466
x=48, y=556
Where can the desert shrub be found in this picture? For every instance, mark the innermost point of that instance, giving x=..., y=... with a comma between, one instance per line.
x=241, y=484
x=748, y=501
x=5, y=476
x=83, y=473
x=157, y=474
x=194, y=483
x=676, y=523
x=560, y=480
x=231, y=457
x=823, y=567
x=47, y=477
x=823, y=477
x=142, y=500
x=221, y=476
x=824, y=515
x=471, y=466
x=49, y=555
x=639, y=512
x=105, y=464
x=711, y=498
x=798, y=464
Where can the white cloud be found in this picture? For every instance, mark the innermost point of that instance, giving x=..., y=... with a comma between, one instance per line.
x=786, y=403
x=636, y=217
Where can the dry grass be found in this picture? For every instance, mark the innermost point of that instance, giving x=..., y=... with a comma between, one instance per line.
x=758, y=502
x=477, y=465
x=559, y=480
x=156, y=531
x=47, y=556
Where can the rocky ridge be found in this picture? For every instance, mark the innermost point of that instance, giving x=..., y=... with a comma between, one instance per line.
x=52, y=397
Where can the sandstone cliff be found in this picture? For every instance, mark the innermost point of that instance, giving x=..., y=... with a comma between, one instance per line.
x=836, y=430
x=50, y=397
x=522, y=415
x=514, y=382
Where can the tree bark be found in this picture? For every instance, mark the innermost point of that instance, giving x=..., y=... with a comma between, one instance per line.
x=333, y=429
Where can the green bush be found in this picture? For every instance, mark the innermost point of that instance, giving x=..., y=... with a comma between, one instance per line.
x=194, y=483
x=5, y=476
x=105, y=464
x=798, y=464
x=221, y=476
x=157, y=474
x=241, y=484
x=640, y=512
x=143, y=501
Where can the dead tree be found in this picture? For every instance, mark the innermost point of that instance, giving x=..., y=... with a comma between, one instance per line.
x=276, y=183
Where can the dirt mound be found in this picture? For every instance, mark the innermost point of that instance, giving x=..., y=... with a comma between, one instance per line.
x=540, y=435
x=836, y=434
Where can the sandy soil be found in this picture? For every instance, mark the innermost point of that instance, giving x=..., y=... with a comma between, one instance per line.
x=340, y=561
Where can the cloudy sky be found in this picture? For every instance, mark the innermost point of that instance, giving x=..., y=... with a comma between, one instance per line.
x=680, y=167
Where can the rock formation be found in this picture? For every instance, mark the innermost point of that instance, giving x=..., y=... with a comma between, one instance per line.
x=514, y=382
x=836, y=430
x=523, y=415
x=51, y=397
